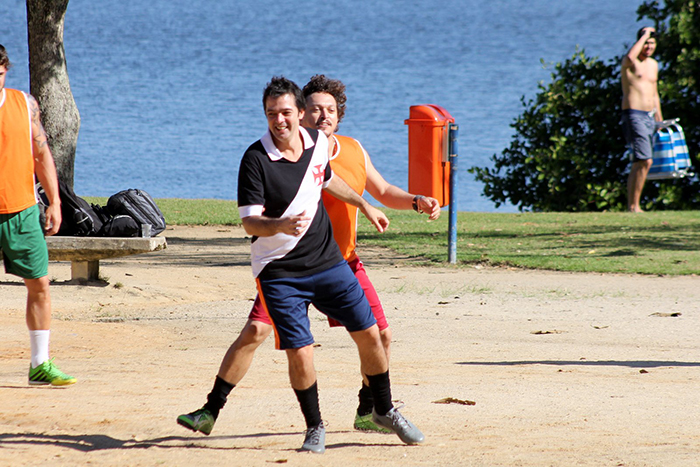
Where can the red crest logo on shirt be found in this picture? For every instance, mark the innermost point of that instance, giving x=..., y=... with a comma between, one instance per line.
x=318, y=175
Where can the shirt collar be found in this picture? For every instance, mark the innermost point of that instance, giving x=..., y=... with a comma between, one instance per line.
x=336, y=147
x=273, y=153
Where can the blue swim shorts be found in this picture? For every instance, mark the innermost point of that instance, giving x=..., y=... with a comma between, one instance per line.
x=23, y=245
x=639, y=127
x=335, y=292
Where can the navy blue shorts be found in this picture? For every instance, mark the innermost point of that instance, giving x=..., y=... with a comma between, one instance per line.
x=639, y=127
x=335, y=292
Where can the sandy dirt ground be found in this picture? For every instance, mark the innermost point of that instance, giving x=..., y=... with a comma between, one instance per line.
x=563, y=369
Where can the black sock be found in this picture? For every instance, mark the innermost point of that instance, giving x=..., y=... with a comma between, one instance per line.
x=381, y=392
x=308, y=400
x=366, y=400
x=217, y=397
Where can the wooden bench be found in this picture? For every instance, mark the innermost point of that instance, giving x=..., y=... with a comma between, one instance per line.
x=85, y=253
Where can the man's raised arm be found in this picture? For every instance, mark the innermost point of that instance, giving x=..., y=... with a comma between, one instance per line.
x=632, y=58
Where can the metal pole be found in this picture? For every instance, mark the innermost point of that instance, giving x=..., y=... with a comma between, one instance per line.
x=452, y=235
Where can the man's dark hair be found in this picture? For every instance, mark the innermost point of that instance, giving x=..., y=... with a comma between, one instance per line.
x=640, y=33
x=4, y=59
x=334, y=87
x=279, y=86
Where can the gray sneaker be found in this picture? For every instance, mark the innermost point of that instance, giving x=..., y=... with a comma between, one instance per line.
x=394, y=421
x=315, y=440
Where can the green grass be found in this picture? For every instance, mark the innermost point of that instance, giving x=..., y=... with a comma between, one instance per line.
x=191, y=211
x=666, y=243
x=650, y=243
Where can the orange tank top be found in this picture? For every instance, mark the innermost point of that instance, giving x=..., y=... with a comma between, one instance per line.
x=349, y=163
x=16, y=161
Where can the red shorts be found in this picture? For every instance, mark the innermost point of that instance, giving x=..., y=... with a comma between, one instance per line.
x=258, y=313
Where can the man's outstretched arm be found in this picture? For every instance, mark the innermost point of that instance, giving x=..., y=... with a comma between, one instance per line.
x=394, y=197
x=338, y=188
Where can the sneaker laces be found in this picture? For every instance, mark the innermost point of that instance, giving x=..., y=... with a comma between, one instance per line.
x=398, y=419
x=52, y=370
x=313, y=434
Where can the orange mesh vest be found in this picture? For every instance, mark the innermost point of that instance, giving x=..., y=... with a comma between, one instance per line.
x=16, y=161
x=349, y=163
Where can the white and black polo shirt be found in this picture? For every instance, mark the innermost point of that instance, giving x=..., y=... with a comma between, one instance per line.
x=270, y=184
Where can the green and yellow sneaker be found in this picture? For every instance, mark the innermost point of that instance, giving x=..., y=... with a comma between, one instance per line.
x=48, y=373
x=200, y=420
x=365, y=423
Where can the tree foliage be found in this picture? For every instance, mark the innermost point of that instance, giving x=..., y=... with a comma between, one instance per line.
x=567, y=151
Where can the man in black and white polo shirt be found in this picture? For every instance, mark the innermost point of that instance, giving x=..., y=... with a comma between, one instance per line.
x=296, y=261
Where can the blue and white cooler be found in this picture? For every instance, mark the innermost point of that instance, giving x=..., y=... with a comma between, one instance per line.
x=670, y=157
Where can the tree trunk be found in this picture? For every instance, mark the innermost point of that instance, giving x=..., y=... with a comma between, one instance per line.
x=48, y=82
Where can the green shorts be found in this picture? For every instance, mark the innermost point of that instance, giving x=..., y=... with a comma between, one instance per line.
x=23, y=245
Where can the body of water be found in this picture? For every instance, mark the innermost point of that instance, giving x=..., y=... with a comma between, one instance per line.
x=169, y=91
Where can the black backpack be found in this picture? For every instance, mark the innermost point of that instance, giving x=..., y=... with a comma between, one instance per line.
x=139, y=205
x=79, y=218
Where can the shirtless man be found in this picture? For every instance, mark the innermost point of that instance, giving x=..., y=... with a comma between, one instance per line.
x=640, y=107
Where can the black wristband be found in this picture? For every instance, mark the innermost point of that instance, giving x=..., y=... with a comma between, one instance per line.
x=415, y=204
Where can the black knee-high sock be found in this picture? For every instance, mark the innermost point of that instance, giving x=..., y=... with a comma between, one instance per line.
x=217, y=397
x=366, y=400
x=308, y=400
x=381, y=392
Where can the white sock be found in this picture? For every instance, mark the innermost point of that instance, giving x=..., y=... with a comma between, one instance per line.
x=40, y=346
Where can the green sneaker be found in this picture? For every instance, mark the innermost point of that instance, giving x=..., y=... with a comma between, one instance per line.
x=200, y=420
x=48, y=373
x=365, y=423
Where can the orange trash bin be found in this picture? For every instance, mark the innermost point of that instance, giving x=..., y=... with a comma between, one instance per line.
x=428, y=147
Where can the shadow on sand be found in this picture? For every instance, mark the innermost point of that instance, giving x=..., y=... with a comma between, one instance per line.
x=629, y=363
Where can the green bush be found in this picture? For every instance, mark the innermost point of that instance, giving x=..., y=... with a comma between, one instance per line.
x=567, y=152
